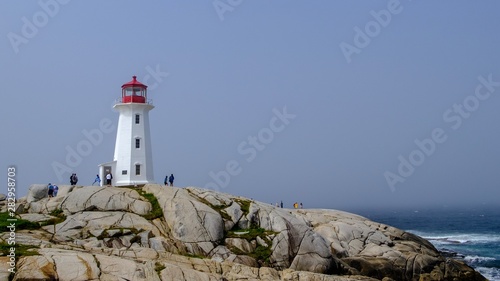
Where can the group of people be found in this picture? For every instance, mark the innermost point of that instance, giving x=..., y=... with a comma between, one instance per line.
x=295, y=205
x=53, y=190
x=169, y=180
x=97, y=180
x=73, y=179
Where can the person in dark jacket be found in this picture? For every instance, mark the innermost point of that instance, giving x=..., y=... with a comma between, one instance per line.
x=73, y=179
x=171, y=179
x=51, y=190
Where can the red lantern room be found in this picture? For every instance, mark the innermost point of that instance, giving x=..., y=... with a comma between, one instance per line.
x=134, y=92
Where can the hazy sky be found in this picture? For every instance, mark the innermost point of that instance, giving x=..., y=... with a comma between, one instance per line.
x=336, y=104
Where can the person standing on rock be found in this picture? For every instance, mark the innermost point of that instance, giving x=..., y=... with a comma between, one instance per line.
x=51, y=190
x=97, y=179
x=281, y=204
x=166, y=180
x=109, y=177
x=171, y=179
x=73, y=179
x=56, y=190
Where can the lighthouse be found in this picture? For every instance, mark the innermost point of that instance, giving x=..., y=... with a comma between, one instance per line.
x=132, y=162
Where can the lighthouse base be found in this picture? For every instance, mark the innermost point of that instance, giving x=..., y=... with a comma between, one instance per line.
x=132, y=183
x=120, y=179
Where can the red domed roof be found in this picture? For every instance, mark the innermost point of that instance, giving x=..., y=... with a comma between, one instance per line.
x=134, y=83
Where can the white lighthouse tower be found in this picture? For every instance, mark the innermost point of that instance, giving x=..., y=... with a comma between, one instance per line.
x=132, y=162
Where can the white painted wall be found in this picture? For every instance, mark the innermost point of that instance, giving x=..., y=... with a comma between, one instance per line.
x=126, y=155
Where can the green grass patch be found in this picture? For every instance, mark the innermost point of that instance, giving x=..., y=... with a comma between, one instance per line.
x=159, y=267
x=244, y=205
x=261, y=253
x=224, y=215
x=195, y=256
x=57, y=213
x=21, y=250
x=156, y=212
x=59, y=217
x=252, y=233
x=26, y=224
x=20, y=223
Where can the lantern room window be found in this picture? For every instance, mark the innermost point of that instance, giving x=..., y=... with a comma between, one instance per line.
x=134, y=92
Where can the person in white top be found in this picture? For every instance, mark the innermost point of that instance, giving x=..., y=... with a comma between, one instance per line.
x=108, y=178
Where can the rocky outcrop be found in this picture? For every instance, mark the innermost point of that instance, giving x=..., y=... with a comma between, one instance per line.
x=96, y=233
x=195, y=224
x=95, y=224
x=96, y=198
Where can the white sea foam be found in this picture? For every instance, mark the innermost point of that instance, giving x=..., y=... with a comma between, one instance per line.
x=462, y=238
x=492, y=274
x=477, y=259
x=456, y=242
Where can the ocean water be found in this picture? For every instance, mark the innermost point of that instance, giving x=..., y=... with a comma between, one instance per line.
x=468, y=234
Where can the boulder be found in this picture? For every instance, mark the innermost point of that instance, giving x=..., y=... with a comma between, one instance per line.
x=268, y=274
x=314, y=255
x=82, y=225
x=35, y=268
x=220, y=253
x=291, y=275
x=37, y=192
x=115, y=268
x=242, y=259
x=96, y=198
x=241, y=244
x=4, y=268
x=190, y=220
x=215, y=199
x=72, y=265
x=64, y=190
x=174, y=273
x=235, y=271
x=37, y=217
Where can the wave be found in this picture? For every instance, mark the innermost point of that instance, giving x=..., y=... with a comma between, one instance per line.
x=479, y=250
x=478, y=259
x=462, y=238
x=490, y=273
